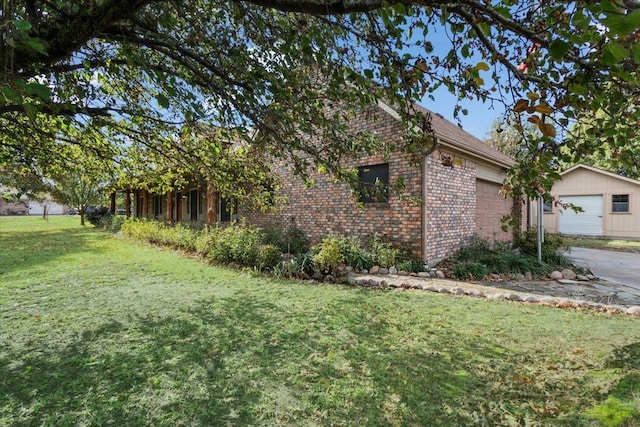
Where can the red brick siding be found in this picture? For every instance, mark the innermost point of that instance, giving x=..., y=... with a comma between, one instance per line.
x=449, y=205
x=490, y=207
x=329, y=208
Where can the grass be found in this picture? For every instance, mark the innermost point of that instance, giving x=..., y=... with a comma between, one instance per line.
x=97, y=330
x=614, y=245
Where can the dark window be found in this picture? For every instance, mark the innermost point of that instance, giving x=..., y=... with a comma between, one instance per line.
x=228, y=210
x=374, y=183
x=620, y=203
x=547, y=207
x=157, y=205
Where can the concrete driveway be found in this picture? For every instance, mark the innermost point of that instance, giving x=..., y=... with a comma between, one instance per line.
x=622, y=268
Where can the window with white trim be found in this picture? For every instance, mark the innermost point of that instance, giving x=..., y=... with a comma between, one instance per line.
x=620, y=203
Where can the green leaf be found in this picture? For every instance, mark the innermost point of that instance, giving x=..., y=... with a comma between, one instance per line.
x=558, y=49
x=616, y=50
x=162, y=100
x=623, y=25
x=23, y=25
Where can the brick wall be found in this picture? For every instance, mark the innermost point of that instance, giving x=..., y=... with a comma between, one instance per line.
x=330, y=208
x=450, y=202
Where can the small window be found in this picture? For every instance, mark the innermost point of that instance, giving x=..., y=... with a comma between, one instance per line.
x=547, y=207
x=228, y=210
x=157, y=205
x=374, y=183
x=620, y=203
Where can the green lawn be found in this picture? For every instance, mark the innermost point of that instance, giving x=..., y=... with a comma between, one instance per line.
x=97, y=330
x=609, y=244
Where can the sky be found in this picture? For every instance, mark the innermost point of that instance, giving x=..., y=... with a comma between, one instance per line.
x=477, y=122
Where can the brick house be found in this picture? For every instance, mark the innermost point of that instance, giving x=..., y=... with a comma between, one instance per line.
x=450, y=197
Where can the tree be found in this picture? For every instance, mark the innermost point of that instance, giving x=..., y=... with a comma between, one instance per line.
x=81, y=186
x=137, y=71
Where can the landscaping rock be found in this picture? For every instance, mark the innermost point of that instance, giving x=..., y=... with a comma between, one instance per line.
x=513, y=297
x=329, y=278
x=555, y=275
x=424, y=274
x=528, y=276
x=393, y=270
x=531, y=299
x=518, y=276
x=429, y=288
x=383, y=271
x=351, y=280
x=383, y=284
x=364, y=271
x=475, y=292
x=406, y=286
x=362, y=282
x=582, y=278
x=634, y=311
x=495, y=276
x=349, y=269
x=372, y=283
x=567, y=282
x=457, y=291
x=374, y=270
x=402, y=273
x=568, y=274
x=444, y=290
x=440, y=274
x=412, y=274
x=317, y=276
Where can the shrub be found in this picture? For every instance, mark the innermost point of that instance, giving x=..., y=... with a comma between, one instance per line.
x=527, y=241
x=238, y=244
x=96, y=215
x=269, y=256
x=116, y=223
x=206, y=240
x=384, y=254
x=411, y=265
x=291, y=239
x=354, y=254
x=329, y=254
x=469, y=270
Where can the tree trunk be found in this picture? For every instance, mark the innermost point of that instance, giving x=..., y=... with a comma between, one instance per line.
x=212, y=204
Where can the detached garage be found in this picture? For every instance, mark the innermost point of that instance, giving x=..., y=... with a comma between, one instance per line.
x=610, y=204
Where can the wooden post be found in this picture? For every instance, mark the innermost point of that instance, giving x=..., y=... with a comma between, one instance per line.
x=112, y=208
x=127, y=202
x=212, y=205
x=170, y=206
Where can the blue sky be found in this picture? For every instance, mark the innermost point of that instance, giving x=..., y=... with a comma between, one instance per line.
x=477, y=122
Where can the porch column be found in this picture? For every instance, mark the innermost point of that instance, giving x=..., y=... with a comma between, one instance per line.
x=169, y=206
x=212, y=205
x=127, y=202
x=112, y=208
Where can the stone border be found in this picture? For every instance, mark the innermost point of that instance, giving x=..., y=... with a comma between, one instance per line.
x=465, y=289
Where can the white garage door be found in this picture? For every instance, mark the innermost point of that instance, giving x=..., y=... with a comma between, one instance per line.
x=587, y=223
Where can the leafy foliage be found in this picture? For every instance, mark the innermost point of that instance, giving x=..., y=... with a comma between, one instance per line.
x=478, y=258
x=135, y=76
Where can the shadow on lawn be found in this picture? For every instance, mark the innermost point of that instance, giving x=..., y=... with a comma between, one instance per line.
x=23, y=250
x=242, y=362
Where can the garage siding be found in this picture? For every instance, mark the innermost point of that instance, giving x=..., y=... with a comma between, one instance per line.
x=490, y=207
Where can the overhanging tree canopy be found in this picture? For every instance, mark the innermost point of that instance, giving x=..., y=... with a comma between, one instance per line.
x=139, y=70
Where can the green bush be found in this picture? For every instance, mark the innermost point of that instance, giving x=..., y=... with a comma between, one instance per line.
x=527, y=241
x=290, y=239
x=464, y=270
x=410, y=265
x=96, y=216
x=384, y=254
x=329, y=254
x=239, y=244
x=354, y=254
x=269, y=256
